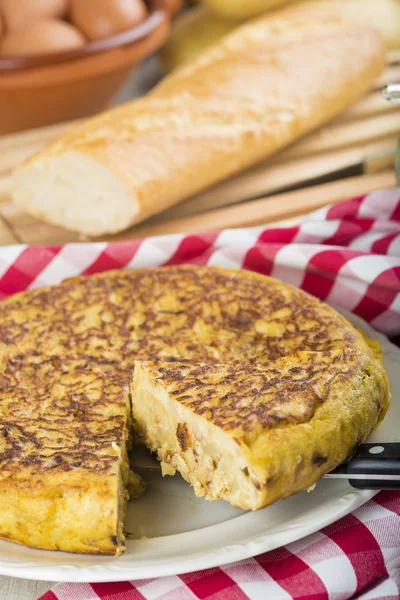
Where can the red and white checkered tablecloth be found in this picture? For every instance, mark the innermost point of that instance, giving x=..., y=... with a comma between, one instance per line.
x=348, y=255
x=358, y=556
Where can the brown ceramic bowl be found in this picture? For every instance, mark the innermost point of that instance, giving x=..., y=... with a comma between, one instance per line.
x=43, y=89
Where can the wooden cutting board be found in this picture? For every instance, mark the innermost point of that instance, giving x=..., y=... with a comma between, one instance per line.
x=350, y=156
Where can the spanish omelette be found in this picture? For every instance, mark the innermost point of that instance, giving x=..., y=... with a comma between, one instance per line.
x=249, y=387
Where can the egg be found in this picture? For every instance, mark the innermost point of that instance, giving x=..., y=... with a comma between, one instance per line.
x=100, y=19
x=18, y=12
x=1, y=25
x=40, y=36
x=173, y=6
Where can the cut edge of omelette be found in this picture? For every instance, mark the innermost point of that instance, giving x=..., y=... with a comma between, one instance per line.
x=254, y=458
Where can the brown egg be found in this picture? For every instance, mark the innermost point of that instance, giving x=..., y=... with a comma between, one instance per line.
x=173, y=6
x=40, y=36
x=18, y=12
x=103, y=18
x=1, y=25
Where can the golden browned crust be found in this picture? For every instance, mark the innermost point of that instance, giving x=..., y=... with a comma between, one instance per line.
x=197, y=313
x=63, y=434
x=67, y=354
x=350, y=413
x=244, y=400
x=60, y=413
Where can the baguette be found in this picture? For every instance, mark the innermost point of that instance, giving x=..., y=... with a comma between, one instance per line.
x=262, y=87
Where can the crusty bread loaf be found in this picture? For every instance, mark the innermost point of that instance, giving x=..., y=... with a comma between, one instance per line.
x=384, y=15
x=263, y=86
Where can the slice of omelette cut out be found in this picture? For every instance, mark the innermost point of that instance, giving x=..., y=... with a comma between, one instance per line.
x=249, y=387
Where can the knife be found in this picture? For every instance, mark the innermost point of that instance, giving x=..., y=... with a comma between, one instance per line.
x=372, y=466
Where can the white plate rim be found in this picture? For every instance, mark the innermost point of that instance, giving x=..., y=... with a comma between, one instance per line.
x=112, y=569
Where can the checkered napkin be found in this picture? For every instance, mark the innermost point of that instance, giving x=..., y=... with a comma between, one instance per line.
x=348, y=255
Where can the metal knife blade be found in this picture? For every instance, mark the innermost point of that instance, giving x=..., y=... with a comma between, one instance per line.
x=341, y=473
x=372, y=466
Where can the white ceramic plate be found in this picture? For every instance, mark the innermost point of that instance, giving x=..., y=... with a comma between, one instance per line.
x=178, y=533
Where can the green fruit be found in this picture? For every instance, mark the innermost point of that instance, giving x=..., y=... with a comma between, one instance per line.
x=192, y=32
x=242, y=9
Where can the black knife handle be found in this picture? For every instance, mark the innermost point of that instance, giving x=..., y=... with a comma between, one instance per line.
x=376, y=459
x=378, y=451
